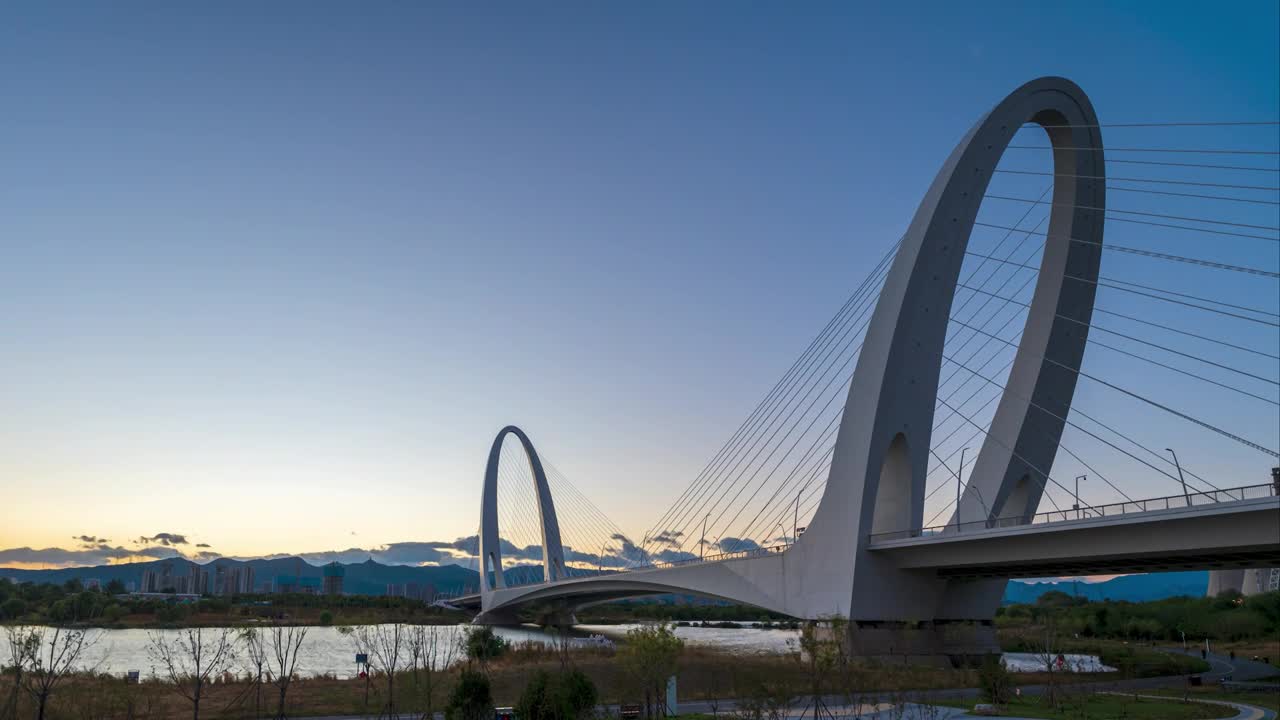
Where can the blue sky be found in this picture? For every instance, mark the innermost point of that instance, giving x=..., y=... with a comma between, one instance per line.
x=274, y=274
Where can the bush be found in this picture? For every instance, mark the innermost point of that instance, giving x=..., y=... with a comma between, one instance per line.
x=568, y=696
x=484, y=645
x=995, y=681
x=326, y=618
x=13, y=608
x=113, y=613
x=471, y=698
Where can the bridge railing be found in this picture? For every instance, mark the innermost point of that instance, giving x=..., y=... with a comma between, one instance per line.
x=1090, y=512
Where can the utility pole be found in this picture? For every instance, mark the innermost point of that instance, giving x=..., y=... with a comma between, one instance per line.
x=1180, y=477
x=959, y=475
x=1078, y=479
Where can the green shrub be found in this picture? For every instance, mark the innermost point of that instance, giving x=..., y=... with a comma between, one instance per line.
x=567, y=696
x=13, y=608
x=113, y=613
x=326, y=618
x=471, y=698
x=483, y=644
x=995, y=681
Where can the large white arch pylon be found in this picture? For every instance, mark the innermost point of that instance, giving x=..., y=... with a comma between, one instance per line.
x=490, y=539
x=877, y=476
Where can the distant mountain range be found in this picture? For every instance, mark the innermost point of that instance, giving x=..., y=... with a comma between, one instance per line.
x=366, y=578
x=1134, y=588
x=372, y=578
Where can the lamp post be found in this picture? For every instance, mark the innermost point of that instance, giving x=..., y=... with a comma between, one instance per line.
x=1078, y=479
x=783, y=534
x=702, y=543
x=1182, y=479
x=959, y=475
x=795, y=524
x=600, y=566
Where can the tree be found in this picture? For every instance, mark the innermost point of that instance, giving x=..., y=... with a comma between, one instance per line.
x=256, y=654
x=284, y=642
x=387, y=644
x=23, y=644
x=568, y=695
x=13, y=608
x=1046, y=648
x=115, y=587
x=471, y=698
x=53, y=653
x=431, y=650
x=822, y=653
x=995, y=681
x=483, y=645
x=650, y=655
x=189, y=658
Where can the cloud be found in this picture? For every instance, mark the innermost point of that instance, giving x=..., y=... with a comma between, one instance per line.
x=618, y=553
x=164, y=538
x=90, y=539
x=668, y=537
x=673, y=556
x=101, y=554
x=733, y=544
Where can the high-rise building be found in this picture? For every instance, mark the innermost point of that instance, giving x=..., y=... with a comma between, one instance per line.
x=334, y=574
x=159, y=580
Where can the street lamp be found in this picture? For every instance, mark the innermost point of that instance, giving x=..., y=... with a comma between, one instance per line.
x=1078, y=479
x=1180, y=477
x=783, y=534
x=795, y=524
x=702, y=543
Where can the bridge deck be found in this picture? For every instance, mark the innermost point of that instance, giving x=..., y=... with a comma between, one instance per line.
x=1222, y=534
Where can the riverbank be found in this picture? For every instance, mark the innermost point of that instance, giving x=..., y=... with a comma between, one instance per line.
x=705, y=675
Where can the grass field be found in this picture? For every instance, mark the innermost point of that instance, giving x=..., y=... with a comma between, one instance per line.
x=1268, y=700
x=1108, y=707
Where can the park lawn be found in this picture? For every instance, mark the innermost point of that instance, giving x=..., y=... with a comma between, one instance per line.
x=1268, y=648
x=1268, y=700
x=1106, y=707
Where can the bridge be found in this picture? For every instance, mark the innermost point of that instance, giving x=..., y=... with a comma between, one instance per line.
x=865, y=551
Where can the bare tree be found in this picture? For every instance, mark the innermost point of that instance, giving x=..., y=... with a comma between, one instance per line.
x=1048, y=652
x=285, y=643
x=23, y=645
x=432, y=649
x=52, y=654
x=190, y=657
x=256, y=656
x=388, y=645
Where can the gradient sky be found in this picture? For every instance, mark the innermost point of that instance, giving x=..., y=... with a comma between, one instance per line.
x=273, y=274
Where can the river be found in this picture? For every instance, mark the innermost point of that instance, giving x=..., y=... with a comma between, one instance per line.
x=327, y=651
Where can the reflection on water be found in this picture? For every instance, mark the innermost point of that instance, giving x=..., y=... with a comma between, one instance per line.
x=326, y=651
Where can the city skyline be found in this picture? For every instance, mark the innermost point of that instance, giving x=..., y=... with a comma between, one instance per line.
x=253, y=322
